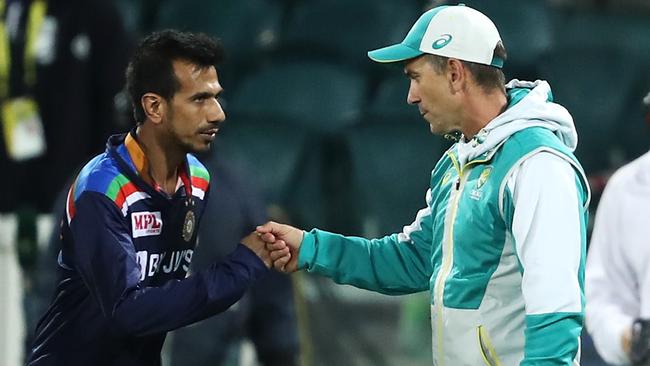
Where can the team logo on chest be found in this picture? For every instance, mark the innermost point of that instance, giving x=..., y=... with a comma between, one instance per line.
x=146, y=223
x=485, y=174
x=188, y=226
x=477, y=193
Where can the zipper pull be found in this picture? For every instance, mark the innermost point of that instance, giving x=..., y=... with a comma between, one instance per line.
x=458, y=183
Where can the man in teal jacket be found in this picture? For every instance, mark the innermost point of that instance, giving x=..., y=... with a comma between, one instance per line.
x=501, y=241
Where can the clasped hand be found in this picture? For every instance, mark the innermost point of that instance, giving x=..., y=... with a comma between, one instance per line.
x=282, y=242
x=277, y=245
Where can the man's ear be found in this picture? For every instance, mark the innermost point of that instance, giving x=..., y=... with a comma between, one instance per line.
x=456, y=75
x=154, y=107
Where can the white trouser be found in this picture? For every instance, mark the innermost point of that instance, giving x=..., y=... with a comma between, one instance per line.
x=12, y=323
x=12, y=315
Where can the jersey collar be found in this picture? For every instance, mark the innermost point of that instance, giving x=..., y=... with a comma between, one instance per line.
x=141, y=165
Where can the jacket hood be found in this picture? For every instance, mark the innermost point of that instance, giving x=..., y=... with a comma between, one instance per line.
x=530, y=104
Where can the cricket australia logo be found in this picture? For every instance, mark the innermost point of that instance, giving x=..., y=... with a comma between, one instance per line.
x=477, y=193
x=485, y=174
x=146, y=223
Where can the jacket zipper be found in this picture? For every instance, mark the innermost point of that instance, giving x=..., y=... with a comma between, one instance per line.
x=447, y=259
x=448, y=251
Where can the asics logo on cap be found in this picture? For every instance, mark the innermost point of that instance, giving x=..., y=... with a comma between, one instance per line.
x=441, y=42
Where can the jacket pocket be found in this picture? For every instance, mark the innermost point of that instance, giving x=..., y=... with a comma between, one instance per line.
x=487, y=351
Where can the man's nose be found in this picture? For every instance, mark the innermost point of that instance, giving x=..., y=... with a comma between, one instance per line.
x=216, y=113
x=412, y=97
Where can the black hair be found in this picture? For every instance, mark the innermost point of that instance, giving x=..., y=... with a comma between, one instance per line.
x=151, y=70
x=486, y=76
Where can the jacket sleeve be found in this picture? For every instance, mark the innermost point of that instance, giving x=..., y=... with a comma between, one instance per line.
x=548, y=225
x=610, y=280
x=105, y=258
x=395, y=265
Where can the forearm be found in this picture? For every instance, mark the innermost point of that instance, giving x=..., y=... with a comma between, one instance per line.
x=179, y=303
x=383, y=265
x=607, y=295
x=552, y=339
x=607, y=329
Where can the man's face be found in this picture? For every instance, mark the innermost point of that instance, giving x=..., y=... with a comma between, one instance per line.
x=194, y=112
x=431, y=92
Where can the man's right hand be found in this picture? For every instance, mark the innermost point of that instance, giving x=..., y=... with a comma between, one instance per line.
x=639, y=342
x=282, y=236
x=626, y=341
x=258, y=242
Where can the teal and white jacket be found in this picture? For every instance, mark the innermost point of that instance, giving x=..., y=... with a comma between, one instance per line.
x=501, y=243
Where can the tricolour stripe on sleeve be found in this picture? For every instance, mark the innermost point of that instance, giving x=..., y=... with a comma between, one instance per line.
x=124, y=193
x=200, y=177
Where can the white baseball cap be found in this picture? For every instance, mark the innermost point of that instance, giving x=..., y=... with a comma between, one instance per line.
x=455, y=31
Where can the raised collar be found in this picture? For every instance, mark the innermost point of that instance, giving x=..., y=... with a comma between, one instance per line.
x=141, y=165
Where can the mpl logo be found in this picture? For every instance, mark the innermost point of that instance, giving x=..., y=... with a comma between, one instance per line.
x=146, y=223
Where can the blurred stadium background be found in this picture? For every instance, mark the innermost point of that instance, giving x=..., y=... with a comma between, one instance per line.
x=340, y=148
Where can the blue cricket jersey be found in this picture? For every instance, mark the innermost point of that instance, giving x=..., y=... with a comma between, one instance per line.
x=125, y=253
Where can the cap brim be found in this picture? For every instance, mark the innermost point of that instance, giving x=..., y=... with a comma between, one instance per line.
x=395, y=53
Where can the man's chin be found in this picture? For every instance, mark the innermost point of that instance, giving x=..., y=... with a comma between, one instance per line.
x=198, y=148
x=436, y=130
x=433, y=126
x=202, y=148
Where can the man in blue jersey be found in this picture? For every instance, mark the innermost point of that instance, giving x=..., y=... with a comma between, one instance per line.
x=131, y=217
x=501, y=241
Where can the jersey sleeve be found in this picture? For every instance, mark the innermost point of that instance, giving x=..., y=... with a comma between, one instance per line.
x=546, y=198
x=609, y=277
x=105, y=258
x=396, y=264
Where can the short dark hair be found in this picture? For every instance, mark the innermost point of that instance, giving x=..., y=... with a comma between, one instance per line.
x=151, y=71
x=487, y=77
